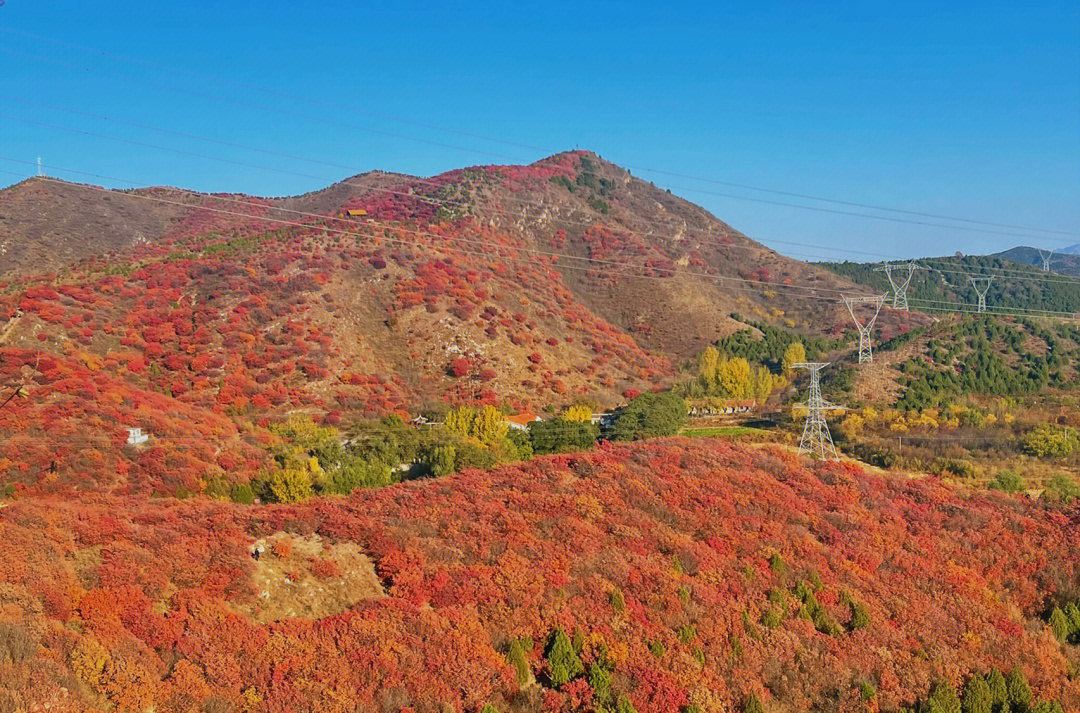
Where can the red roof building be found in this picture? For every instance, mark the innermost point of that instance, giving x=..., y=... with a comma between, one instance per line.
x=522, y=420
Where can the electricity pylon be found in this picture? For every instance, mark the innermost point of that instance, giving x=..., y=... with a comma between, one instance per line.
x=984, y=282
x=866, y=354
x=1045, y=255
x=899, y=286
x=816, y=439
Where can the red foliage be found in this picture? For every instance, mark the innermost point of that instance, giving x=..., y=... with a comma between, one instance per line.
x=459, y=367
x=683, y=530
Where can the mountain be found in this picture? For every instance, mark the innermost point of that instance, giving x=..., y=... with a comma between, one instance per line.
x=700, y=574
x=1071, y=250
x=202, y=319
x=273, y=536
x=1065, y=262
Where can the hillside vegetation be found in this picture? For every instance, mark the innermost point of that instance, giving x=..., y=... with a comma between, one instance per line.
x=1016, y=285
x=702, y=576
x=204, y=319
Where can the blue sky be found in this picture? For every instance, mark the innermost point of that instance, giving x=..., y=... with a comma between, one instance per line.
x=961, y=109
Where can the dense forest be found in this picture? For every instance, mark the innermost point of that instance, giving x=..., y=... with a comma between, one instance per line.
x=989, y=356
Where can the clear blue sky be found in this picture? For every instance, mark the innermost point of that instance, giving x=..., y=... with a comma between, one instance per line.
x=965, y=109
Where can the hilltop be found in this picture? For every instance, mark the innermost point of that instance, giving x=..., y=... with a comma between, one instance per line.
x=572, y=204
x=1064, y=262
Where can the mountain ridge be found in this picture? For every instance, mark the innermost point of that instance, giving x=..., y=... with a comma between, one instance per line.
x=524, y=286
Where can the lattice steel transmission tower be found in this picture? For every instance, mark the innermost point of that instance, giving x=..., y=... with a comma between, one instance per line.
x=816, y=439
x=1045, y=255
x=982, y=286
x=866, y=354
x=899, y=284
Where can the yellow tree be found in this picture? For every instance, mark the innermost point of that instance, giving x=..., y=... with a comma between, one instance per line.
x=460, y=420
x=794, y=354
x=577, y=412
x=734, y=378
x=489, y=426
x=852, y=424
x=764, y=383
x=710, y=358
x=291, y=485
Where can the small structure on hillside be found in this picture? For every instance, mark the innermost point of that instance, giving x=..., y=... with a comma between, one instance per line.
x=137, y=437
x=521, y=421
x=603, y=418
x=356, y=212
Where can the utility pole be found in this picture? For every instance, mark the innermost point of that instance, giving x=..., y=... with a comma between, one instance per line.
x=816, y=439
x=899, y=285
x=1045, y=255
x=982, y=286
x=866, y=354
x=39, y=171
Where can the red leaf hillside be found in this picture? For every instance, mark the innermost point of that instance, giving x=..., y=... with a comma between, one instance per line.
x=694, y=572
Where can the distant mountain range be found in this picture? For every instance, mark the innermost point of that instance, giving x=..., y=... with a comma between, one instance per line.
x=1066, y=261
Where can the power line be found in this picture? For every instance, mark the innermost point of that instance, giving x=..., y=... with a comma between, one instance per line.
x=346, y=107
x=1024, y=275
x=426, y=199
x=811, y=291
x=443, y=201
x=317, y=216
x=260, y=107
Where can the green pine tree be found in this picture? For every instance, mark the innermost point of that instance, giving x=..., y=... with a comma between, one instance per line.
x=1073, y=612
x=943, y=699
x=516, y=658
x=753, y=705
x=563, y=662
x=771, y=618
x=860, y=618
x=1060, y=624
x=1019, y=691
x=1048, y=707
x=977, y=697
x=600, y=681
x=999, y=693
x=625, y=706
